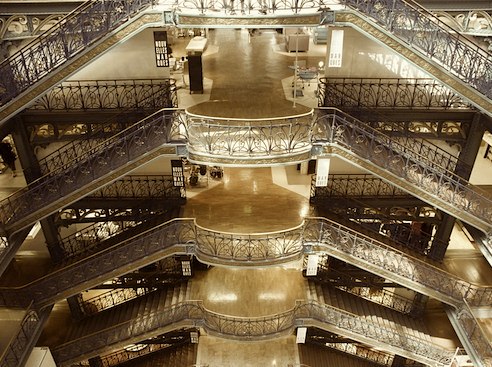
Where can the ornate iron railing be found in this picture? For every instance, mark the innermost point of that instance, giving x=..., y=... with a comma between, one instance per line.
x=87, y=239
x=387, y=93
x=28, y=25
x=16, y=350
x=375, y=356
x=249, y=139
x=84, y=95
x=122, y=356
x=352, y=190
x=354, y=185
x=253, y=328
x=140, y=186
x=255, y=248
x=351, y=324
x=75, y=32
x=75, y=150
x=365, y=252
x=382, y=297
x=423, y=31
x=83, y=164
x=110, y=299
x=433, y=182
x=247, y=7
x=129, y=98
x=183, y=235
x=475, y=334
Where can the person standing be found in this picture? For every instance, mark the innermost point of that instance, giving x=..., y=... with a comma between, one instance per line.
x=8, y=156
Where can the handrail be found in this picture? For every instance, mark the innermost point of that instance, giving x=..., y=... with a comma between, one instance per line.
x=249, y=138
x=475, y=333
x=15, y=351
x=121, y=94
x=71, y=150
x=255, y=328
x=314, y=234
x=78, y=168
x=111, y=298
x=390, y=93
x=430, y=36
x=72, y=34
x=356, y=138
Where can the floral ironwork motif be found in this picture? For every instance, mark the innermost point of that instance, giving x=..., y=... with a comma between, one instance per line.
x=428, y=34
x=148, y=94
x=387, y=93
x=249, y=138
x=253, y=328
x=68, y=37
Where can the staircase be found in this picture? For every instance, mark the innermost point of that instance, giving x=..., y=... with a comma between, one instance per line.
x=410, y=331
x=87, y=171
x=75, y=40
x=422, y=38
x=403, y=166
x=78, y=347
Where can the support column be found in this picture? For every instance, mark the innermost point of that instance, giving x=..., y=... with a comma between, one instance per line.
x=75, y=305
x=463, y=169
x=419, y=303
x=32, y=172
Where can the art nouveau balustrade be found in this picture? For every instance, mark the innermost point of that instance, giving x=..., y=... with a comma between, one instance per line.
x=193, y=313
x=338, y=133
x=43, y=63
x=241, y=141
x=181, y=236
x=17, y=351
x=146, y=94
x=427, y=42
x=83, y=167
x=391, y=93
x=415, y=167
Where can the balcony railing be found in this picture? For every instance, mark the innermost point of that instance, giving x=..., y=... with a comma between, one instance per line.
x=233, y=249
x=428, y=179
x=388, y=93
x=249, y=140
x=144, y=94
x=74, y=33
x=426, y=33
x=255, y=328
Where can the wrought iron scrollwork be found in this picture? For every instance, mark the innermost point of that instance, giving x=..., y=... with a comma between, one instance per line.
x=70, y=36
x=146, y=94
x=349, y=245
x=428, y=34
x=253, y=328
x=250, y=139
x=248, y=7
x=261, y=250
x=405, y=161
x=387, y=93
x=83, y=163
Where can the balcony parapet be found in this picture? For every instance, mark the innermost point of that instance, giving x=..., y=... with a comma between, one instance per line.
x=304, y=313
